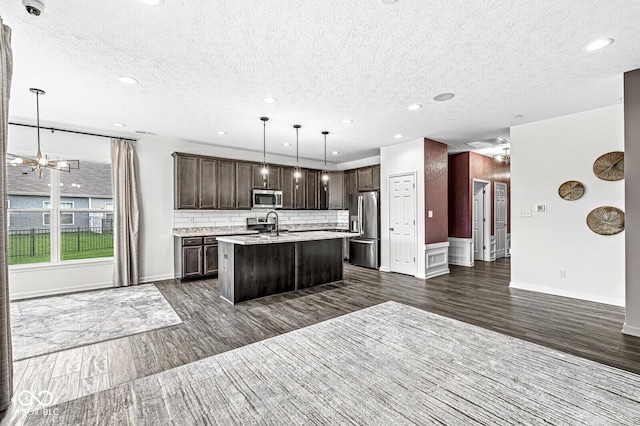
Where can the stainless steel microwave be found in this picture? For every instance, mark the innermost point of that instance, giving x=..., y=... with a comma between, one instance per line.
x=266, y=199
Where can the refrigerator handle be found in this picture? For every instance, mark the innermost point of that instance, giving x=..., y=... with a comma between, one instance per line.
x=360, y=215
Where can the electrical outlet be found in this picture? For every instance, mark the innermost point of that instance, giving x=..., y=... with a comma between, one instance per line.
x=562, y=273
x=430, y=213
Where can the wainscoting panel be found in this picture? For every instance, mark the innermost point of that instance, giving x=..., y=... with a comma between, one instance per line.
x=461, y=251
x=437, y=259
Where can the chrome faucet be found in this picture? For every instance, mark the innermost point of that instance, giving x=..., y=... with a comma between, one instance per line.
x=277, y=221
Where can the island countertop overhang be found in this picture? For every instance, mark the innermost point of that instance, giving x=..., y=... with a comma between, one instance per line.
x=289, y=237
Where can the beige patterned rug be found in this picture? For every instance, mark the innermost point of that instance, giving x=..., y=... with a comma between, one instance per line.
x=389, y=364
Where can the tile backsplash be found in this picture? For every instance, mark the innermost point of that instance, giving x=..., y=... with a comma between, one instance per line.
x=219, y=218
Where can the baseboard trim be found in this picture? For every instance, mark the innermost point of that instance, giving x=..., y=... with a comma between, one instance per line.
x=631, y=330
x=421, y=276
x=384, y=269
x=570, y=294
x=438, y=273
x=155, y=278
x=59, y=290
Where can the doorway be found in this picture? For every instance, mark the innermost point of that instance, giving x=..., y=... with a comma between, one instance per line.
x=402, y=224
x=480, y=213
x=500, y=212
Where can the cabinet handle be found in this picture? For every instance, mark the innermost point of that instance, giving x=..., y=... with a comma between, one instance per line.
x=390, y=229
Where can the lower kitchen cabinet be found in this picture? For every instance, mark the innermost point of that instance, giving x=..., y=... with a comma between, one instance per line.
x=195, y=257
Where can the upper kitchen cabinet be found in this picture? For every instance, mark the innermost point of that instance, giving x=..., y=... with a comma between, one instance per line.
x=226, y=184
x=288, y=188
x=350, y=186
x=300, y=191
x=313, y=186
x=195, y=182
x=274, y=177
x=335, y=191
x=244, y=184
x=375, y=177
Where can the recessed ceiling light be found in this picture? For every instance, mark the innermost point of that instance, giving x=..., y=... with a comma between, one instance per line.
x=335, y=152
x=600, y=43
x=398, y=135
x=388, y=1
x=152, y=2
x=270, y=100
x=443, y=97
x=115, y=123
x=221, y=132
x=347, y=121
x=414, y=107
x=286, y=144
x=127, y=80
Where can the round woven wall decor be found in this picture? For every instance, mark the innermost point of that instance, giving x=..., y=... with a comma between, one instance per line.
x=610, y=166
x=606, y=220
x=571, y=190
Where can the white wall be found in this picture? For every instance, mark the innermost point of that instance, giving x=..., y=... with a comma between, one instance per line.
x=364, y=162
x=544, y=155
x=155, y=186
x=405, y=157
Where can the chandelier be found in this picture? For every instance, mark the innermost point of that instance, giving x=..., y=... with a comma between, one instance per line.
x=42, y=162
x=506, y=157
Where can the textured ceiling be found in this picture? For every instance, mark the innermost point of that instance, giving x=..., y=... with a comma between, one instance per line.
x=206, y=65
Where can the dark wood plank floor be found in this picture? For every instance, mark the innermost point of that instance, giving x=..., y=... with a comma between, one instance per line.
x=478, y=295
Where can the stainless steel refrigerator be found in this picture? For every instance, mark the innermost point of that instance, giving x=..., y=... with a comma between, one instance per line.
x=364, y=212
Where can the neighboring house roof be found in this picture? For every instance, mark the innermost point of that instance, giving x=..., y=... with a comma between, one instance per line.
x=93, y=178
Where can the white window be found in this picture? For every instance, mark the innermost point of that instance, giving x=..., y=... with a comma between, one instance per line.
x=65, y=218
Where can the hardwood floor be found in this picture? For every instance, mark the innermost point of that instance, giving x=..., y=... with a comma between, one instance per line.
x=478, y=295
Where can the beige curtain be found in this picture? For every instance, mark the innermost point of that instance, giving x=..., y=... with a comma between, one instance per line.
x=126, y=214
x=6, y=364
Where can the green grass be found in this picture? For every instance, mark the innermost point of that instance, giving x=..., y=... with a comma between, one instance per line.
x=70, y=242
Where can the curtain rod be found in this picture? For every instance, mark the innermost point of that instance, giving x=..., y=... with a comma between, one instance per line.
x=53, y=129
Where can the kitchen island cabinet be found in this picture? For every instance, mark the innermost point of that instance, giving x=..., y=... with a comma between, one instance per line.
x=252, y=266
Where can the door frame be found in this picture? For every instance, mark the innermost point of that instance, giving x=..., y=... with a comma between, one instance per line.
x=415, y=212
x=506, y=211
x=486, y=252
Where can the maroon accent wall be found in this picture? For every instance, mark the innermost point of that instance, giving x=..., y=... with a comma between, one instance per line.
x=459, y=201
x=463, y=168
x=436, y=229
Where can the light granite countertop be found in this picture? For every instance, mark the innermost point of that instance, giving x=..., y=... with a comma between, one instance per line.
x=287, y=237
x=242, y=230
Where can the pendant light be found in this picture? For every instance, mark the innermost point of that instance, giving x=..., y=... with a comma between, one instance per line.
x=297, y=173
x=41, y=162
x=325, y=175
x=265, y=169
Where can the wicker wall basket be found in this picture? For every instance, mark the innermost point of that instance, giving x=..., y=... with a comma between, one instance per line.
x=571, y=190
x=610, y=166
x=606, y=220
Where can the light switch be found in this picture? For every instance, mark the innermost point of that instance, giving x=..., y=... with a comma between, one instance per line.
x=430, y=213
x=525, y=213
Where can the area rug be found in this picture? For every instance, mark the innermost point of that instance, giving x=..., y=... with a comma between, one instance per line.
x=51, y=324
x=385, y=365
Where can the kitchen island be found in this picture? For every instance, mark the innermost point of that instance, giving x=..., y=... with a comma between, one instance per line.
x=252, y=266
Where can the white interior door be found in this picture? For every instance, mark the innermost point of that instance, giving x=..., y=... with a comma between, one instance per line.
x=500, y=214
x=402, y=224
x=478, y=214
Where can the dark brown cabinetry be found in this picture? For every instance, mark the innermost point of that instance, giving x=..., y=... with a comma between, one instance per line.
x=313, y=189
x=195, y=257
x=244, y=184
x=226, y=184
x=288, y=188
x=300, y=191
x=375, y=177
x=335, y=191
x=274, y=177
x=350, y=186
x=195, y=182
